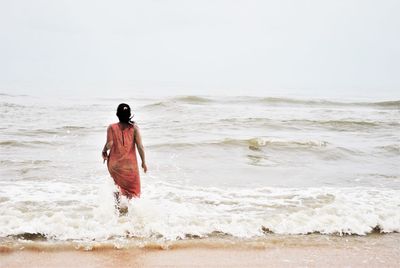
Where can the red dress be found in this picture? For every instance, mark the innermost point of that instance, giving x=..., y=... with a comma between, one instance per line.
x=122, y=162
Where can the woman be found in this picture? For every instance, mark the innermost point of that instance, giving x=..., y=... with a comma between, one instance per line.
x=122, y=140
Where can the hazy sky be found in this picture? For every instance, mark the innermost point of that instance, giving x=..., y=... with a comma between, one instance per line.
x=192, y=47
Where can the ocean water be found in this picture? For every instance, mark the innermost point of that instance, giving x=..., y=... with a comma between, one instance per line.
x=243, y=168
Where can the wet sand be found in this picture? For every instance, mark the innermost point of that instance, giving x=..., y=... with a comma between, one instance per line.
x=364, y=252
x=310, y=257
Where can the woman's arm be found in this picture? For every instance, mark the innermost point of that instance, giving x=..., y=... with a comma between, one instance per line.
x=104, y=153
x=140, y=147
x=108, y=144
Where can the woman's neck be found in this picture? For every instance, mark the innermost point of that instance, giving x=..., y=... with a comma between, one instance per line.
x=124, y=125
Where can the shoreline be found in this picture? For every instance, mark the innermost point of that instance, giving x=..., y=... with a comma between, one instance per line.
x=308, y=250
x=201, y=257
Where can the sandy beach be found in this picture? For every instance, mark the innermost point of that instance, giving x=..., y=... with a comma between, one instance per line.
x=199, y=133
x=251, y=182
x=375, y=251
x=280, y=257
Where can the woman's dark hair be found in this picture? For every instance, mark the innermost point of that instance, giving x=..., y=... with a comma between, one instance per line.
x=124, y=113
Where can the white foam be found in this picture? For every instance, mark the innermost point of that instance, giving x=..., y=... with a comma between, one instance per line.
x=170, y=212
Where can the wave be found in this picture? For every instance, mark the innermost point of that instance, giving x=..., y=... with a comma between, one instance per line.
x=14, y=143
x=342, y=125
x=294, y=124
x=252, y=143
x=41, y=133
x=160, y=104
x=70, y=127
x=172, y=102
x=272, y=100
x=284, y=100
x=389, y=104
x=192, y=99
x=391, y=148
x=270, y=241
x=34, y=132
x=13, y=95
x=204, y=100
x=347, y=123
x=23, y=162
x=12, y=105
x=263, y=142
x=214, y=238
x=172, y=212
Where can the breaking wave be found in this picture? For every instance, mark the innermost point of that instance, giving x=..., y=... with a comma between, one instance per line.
x=196, y=212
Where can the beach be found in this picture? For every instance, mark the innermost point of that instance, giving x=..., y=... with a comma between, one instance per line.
x=247, y=133
x=373, y=251
x=237, y=181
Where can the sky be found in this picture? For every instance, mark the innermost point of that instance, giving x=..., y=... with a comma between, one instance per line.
x=245, y=47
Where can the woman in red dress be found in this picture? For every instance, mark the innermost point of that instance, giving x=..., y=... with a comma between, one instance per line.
x=122, y=140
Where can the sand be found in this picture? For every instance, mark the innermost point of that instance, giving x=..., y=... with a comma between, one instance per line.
x=364, y=252
x=309, y=257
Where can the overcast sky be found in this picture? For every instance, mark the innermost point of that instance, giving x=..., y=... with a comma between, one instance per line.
x=197, y=46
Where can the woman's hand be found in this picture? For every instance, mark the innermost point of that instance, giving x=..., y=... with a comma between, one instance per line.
x=104, y=155
x=144, y=167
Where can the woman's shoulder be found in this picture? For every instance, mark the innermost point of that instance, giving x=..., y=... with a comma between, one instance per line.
x=113, y=125
x=135, y=126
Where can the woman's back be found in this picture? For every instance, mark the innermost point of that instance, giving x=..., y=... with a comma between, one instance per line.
x=122, y=162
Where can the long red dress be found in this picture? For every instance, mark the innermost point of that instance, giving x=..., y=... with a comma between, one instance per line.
x=122, y=162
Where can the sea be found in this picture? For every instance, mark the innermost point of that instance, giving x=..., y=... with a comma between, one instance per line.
x=223, y=169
